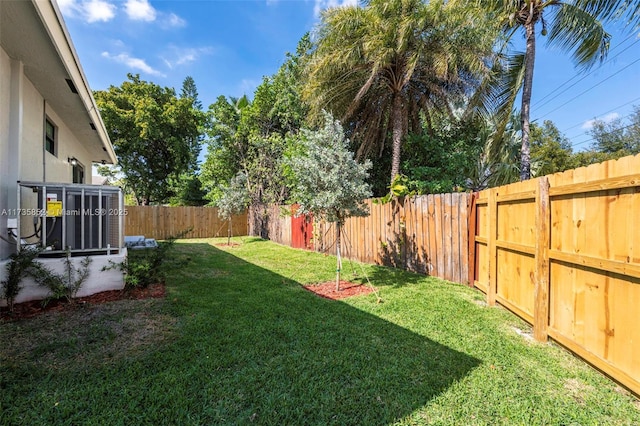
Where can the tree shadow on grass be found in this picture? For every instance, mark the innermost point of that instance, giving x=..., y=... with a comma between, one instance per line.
x=381, y=276
x=254, y=348
x=293, y=358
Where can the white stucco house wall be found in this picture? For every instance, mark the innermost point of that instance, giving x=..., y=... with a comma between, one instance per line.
x=50, y=135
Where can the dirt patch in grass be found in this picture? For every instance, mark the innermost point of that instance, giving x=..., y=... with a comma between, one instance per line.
x=347, y=289
x=35, y=307
x=227, y=245
x=577, y=390
x=87, y=335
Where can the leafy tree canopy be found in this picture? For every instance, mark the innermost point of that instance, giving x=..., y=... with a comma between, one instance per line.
x=155, y=135
x=251, y=137
x=326, y=179
x=384, y=67
x=551, y=151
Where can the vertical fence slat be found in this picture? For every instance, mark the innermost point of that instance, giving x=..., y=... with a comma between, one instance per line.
x=161, y=222
x=433, y=245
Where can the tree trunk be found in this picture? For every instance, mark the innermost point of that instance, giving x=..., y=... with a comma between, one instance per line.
x=397, y=135
x=229, y=232
x=525, y=114
x=338, y=259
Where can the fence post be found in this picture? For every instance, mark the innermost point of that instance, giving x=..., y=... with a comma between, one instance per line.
x=471, y=227
x=492, y=235
x=541, y=292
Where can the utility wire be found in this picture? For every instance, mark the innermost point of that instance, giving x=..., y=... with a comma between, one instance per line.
x=600, y=114
x=537, y=104
x=589, y=89
x=586, y=132
x=593, y=139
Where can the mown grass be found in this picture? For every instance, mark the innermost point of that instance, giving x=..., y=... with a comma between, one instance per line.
x=239, y=341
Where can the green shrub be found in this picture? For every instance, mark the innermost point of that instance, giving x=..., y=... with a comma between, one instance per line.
x=147, y=266
x=21, y=265
x=65, y=285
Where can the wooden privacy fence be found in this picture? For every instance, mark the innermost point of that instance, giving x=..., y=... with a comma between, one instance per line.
x=563, y=252
x=161, y=222
x=426, y=234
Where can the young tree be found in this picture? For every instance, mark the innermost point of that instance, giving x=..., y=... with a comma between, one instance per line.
x=234, y=200
x=155, y=135
x=326, y=179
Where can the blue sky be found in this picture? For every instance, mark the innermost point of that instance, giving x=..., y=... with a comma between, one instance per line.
x=228, y=46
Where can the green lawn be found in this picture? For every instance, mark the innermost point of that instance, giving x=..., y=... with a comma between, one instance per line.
x=239, y=341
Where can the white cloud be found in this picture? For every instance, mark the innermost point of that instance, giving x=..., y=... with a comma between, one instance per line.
x=105, y=10
x=185, y=55
x=140, y=10
x=320, y=5
x=173, y=21
x=606, y=118
x=134, y=63
x=90, y=11
x=98, y=10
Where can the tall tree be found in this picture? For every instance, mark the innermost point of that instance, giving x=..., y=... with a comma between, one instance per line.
x=227, y=144
x=187, y=187
x=155, y=135
x=251, y=137
x=569, y=25
x=616, y=136
x=382, y=67
x=550, y=149
x=189, y=90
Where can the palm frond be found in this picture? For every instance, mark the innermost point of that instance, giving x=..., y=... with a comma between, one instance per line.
x=578, y=31
x=612, y=10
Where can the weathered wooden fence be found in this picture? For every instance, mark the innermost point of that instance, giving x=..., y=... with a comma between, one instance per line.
x=426, y=234
x=161, y=222
x=563, y=252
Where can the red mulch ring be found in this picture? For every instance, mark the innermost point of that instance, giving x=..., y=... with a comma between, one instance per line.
x=227, y=245
x=347, y=289
x=34, y=307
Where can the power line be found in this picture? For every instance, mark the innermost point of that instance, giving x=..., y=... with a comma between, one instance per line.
x=553, y=92
x=537, y=105
x=590, y=88
x=593, y=139
x=600, y=114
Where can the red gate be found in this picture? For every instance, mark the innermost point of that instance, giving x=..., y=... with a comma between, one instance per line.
x=301, y=230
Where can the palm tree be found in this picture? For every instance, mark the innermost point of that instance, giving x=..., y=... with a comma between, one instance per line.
x=572, y=26
x=381, y=68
